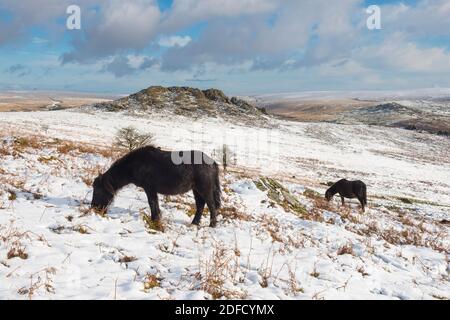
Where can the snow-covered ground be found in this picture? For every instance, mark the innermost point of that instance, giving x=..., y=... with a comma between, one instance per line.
x=264, y=247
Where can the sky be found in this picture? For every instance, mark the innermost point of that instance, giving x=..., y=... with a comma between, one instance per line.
x=239, y=46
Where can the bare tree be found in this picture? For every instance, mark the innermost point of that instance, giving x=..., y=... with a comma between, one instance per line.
x=225, y=156
x=130, y=138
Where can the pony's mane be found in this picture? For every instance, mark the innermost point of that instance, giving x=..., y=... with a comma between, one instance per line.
x=133, y=153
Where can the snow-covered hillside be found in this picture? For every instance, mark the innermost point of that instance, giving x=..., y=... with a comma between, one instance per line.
x=276, y=237
x=377, y=95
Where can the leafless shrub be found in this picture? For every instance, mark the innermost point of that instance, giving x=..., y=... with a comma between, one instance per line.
x=130, y=138
x=39, y=280
x=272, y=226
x=225, y=156
x=14, y=240
x=217, y=271
x=293, y=285
x=265, y=271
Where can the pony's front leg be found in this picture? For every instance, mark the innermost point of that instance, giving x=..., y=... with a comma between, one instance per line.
x=153, y=203
x=342, y=200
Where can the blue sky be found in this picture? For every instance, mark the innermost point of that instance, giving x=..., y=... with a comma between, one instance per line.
x=240, y=46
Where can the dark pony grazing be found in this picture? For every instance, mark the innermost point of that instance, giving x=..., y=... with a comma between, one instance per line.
x=157, y=172
x=348, y=189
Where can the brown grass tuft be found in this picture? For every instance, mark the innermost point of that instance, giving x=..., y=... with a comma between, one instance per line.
x=12, y=195
x=151, y=281
x=33, y=142
x=17, y=251
x=127, y=259
x=152, y=225
x=84, y=148
x=39, y=280
x=231, y=213
x=217, y=271
x=346, y=249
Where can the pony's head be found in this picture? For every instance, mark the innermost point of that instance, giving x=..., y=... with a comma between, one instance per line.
x=328, y=195
x=103, y=194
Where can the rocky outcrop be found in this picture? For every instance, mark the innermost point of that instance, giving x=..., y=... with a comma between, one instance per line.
x=186, y=101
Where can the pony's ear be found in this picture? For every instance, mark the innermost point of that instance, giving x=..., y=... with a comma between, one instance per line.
x=107, y=184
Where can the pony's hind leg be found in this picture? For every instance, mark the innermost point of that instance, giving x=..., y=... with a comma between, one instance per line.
x=362, y=201
x=200, y=204
x=153, y=203
x=213, y=214
x=362, y=197
x=212, y=210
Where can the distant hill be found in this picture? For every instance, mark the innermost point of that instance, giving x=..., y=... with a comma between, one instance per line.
x=430, y=113
x=186, y=101
x=48, y=100
x=432, y=117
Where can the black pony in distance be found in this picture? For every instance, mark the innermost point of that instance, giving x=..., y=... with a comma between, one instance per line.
x=156, y=172
x=349, y=189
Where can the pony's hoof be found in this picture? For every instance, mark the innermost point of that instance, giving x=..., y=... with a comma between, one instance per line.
x=195, y=222
x=213, y=224
x=156, y=218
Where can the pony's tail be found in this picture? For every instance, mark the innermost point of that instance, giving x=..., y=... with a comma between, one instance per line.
x=217, y=192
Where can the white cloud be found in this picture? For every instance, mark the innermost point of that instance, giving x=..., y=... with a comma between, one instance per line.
x=174, y=41
x=121, y=26
x=427, y=18
x=38, y=40
x=272, y=37
x=396, y=53
x=308, y=37
x=186, y=12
